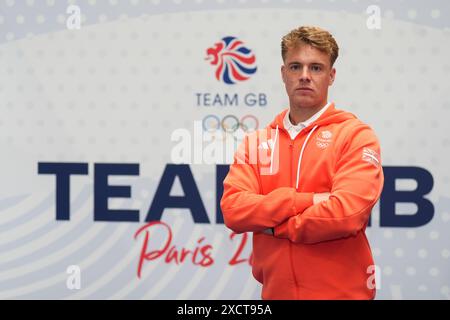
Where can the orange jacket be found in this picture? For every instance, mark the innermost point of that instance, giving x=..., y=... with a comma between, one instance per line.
x=317, y=251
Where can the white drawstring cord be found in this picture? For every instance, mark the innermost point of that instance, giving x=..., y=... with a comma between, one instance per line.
x=301, y=155
x=273, y=150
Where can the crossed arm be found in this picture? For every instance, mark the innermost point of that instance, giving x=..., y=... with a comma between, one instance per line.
x=317, y=198
x=307, y=217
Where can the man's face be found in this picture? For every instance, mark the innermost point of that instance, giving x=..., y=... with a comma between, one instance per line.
x=307, y=74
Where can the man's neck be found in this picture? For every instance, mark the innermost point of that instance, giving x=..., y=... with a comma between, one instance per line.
x=300, y=114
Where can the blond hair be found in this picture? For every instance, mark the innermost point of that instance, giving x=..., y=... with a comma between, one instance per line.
x=314, y=36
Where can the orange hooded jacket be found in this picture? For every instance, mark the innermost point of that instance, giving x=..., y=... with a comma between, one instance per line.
x=317, y=251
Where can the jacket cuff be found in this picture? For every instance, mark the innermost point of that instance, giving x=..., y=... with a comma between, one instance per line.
x=282, y=230
x=302, y=201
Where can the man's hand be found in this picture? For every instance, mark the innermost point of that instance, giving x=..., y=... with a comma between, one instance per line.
x=319, y=197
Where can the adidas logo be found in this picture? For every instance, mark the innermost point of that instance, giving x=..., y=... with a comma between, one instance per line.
x=266, y=145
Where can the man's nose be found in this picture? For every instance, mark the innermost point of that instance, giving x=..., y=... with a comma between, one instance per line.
x=305, y=75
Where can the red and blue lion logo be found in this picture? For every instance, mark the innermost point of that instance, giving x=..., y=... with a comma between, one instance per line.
x=234, y=62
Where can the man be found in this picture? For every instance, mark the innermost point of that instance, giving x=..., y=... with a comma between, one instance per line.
x=309, y=205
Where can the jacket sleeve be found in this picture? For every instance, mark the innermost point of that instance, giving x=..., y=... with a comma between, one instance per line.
x=357, y=185
x=243, y=206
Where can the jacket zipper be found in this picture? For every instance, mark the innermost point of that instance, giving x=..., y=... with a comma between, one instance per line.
x=291, y=151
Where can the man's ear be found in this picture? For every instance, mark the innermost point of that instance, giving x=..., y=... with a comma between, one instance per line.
x=332, y=76
x=283, y=75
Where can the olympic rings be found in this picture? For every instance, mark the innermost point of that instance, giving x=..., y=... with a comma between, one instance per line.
x=230, y=123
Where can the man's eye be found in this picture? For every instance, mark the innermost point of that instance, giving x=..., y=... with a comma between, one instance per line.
x=316, y=68
x=295, y=67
